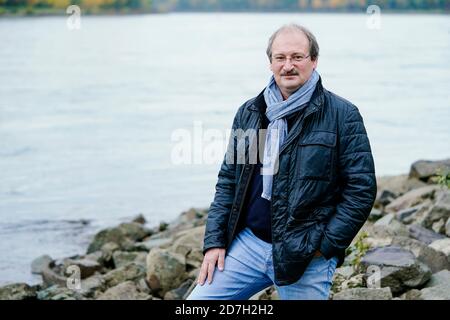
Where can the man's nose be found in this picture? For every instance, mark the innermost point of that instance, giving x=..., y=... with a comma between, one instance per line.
x=288, y=65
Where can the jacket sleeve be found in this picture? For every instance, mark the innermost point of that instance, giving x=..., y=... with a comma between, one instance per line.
x=220, y=208
x=356, y=177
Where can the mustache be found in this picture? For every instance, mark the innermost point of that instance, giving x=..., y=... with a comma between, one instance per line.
x=290, y=73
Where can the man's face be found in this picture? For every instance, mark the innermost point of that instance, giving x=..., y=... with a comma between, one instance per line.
x=291, y=74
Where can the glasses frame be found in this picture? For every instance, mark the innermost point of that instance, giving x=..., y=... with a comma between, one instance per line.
x=290, y=59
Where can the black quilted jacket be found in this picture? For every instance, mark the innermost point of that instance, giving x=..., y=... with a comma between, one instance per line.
x=322, y=194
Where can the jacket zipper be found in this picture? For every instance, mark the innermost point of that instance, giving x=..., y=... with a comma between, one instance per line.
x=273, y=183
x=246, y=185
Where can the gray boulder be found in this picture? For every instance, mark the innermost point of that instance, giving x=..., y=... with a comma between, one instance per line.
x=364, y=294
x=435, y=293
x=399, y=268
x=180, y=292
x=384, y=197
x=124, y=291
x=165, y=270
x=189, y=243
x=54, y=276
x=375, y=214
x=40, y=263
x=92, y=285
x=415, y=214
x=131, y=271
x=424, y=169
x=438, y=288
x=398, y=185
x=439, y=278
x=17, y=291
x=440, y=212
x=434, y=259
x=122, y=258
x=422, y=234
x=153, y=242
x=389, y=227
x=412, y=198
x=56, y=292
x=87, y=267
x=124, y=236
x=443, y=246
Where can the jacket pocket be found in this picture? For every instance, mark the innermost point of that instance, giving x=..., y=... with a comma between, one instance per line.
x=302, y=238
x=315, y=154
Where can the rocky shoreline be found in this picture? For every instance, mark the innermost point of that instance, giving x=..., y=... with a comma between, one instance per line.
x=402, y=252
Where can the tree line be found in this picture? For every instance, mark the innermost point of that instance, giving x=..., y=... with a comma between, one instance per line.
x=98, y=6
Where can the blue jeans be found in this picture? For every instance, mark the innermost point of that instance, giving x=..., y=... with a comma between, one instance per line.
x=249, y=269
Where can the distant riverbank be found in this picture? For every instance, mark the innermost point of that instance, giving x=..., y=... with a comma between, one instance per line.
x=26, y=11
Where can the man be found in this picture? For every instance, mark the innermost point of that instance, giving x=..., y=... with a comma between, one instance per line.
x=288, y=219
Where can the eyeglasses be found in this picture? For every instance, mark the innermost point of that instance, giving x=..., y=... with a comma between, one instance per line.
x=295, y=58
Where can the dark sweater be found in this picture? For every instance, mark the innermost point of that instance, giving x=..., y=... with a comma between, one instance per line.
x=256, y=210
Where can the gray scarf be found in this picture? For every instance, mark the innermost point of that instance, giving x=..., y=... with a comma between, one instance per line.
x=276, y=111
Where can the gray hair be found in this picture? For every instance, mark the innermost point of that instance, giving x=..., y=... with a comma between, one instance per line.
x=313, y=45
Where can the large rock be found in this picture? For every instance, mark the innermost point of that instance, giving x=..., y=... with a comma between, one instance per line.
x=153, y=242
x=165, y=270
x=139, y=219
x=17, y=291
x=384, y=197
x=443, y=246
x=435, y=293
x=54, y=276
x=375, y=214
x=87, y=267
x=439, y=278
x=389, y=227
x=124, y=236
x=397, y=185
x=422, y=234
x=399, y=268
x=92, y=285
x=340, y=283
x=190, y=245
x=193, y=217
x=364, y=294
x=180, y=292
x=185, y=241
x=440, y=212
x=122, y=258
x=56, y=292
x=415, y=214
x=447, y=228
x=124, y=291
x=135, y=231
x=40, y=263
x=424, y=169
x=131, y=271
x=412, y=198
x=438, y=288
x=434, y=259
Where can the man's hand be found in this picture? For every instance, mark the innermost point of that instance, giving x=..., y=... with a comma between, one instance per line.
x=212, y=256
